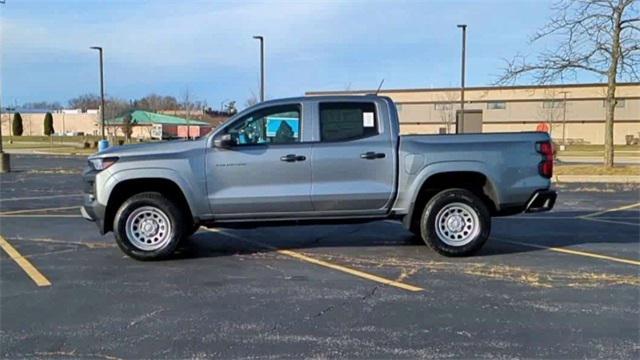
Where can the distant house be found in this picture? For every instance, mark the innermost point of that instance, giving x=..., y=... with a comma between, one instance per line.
x=148, y=124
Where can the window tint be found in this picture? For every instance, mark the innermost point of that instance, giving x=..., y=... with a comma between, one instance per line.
x=275, y=125
x=347, y=121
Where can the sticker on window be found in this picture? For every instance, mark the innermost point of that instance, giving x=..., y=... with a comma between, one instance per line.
x=367, y=119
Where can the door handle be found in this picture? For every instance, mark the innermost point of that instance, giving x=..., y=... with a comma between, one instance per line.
x=371, y=155
x=293, y=157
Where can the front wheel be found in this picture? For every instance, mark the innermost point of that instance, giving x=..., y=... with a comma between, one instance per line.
x=148, y=226
x=455, y=222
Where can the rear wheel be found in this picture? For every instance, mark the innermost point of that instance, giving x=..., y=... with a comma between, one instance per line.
x=455, y=222
x=148, y=226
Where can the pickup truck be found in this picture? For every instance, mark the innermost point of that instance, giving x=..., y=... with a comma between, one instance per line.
x=317, y=160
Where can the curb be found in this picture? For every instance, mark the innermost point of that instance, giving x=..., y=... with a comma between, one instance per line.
x=615, y=179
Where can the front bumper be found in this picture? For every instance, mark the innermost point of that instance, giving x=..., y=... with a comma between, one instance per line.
x=91, y=209
x=541, y=200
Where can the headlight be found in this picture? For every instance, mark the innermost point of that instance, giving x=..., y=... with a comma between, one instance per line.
x=102, y=163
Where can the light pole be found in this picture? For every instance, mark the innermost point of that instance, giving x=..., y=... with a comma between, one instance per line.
x=258, y=37
x=5, y=161
x=464, y=48
x=101, y=89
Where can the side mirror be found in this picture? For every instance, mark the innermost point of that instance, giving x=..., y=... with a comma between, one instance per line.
x=224, y=141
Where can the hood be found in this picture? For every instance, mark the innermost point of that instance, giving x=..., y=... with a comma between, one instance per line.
x=154, y=148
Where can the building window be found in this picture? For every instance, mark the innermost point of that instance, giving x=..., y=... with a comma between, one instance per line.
x=496, y=105
x=552, y=104
x=619, y=103
x=444, y=106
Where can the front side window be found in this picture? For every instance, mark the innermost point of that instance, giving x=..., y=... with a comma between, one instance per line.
x=347, y=121
x=274, y=125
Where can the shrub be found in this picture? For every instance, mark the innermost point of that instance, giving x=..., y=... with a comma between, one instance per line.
x=16, y=126
x=48, y=124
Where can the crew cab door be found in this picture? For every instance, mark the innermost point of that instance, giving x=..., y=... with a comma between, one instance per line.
x=353, y=163
x=265, y=171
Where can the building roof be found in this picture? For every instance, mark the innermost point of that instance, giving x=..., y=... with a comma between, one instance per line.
x=147, y=118
x=468, y=88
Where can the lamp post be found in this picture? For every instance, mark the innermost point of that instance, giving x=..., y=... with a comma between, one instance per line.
x=464, y=48
x=101, y=89
x=5, y=161
x=261, y=39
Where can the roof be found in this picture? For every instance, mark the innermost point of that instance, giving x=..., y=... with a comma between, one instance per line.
x=147, y=118
x=468, y=88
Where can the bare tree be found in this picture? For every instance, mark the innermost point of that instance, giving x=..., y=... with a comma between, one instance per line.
x=596, y=36
x=447, y=109
x=252, y=100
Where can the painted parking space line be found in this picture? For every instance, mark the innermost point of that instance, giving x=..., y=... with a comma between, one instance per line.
x=26, y=266
x=312, y=260
x=573, y=252
x=602, y=212
x=597, y=218
x=26, y=211
x=609, y=221
x=40, y=197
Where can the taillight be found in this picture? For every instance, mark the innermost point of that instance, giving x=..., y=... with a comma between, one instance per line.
x=545, y=168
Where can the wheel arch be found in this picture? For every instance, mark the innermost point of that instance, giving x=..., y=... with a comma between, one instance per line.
x=474, y=180
x=124, y=189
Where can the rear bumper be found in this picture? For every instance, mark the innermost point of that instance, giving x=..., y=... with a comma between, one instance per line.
x=541, y=200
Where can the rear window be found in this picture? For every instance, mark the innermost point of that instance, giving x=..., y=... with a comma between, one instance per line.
x=347, y=121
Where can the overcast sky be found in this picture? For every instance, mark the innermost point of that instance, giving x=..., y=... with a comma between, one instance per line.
x=166, y=46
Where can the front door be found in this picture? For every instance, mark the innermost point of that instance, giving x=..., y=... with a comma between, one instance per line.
x=267, y=172
x=353, y=163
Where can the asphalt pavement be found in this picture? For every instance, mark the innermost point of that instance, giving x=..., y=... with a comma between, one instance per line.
x=563, y=284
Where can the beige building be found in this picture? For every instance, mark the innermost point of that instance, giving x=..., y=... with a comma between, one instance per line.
x=63, y=122
x=575, y=112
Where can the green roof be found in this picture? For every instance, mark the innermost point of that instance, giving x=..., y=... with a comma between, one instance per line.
x=147, y=118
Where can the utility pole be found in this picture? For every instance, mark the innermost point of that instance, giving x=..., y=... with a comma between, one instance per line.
x=464, y=48
x=5, y=161
x=258, y=37
x=101, y=89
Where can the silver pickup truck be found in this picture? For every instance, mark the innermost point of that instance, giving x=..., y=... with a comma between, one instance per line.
x=314, y=160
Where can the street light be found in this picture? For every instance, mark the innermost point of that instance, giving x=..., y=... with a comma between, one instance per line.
x=258, y=37
x=464, y=47
x=101, y=88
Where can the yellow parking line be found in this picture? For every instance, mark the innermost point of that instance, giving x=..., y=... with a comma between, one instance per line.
x=13, y=212
x=609, y=221
x=610, y=210
x=33, y=273
x=347, y=270
x=574, y=252
x=305, y=258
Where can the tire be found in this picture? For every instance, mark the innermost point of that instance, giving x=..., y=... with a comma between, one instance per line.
x=163, y=220
x=464, y=223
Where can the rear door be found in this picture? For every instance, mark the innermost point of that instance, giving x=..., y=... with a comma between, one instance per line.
x=353, y=163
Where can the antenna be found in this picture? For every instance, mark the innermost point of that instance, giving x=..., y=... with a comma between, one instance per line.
x=379, y=87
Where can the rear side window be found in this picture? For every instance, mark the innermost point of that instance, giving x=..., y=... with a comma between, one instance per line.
x=347, y=121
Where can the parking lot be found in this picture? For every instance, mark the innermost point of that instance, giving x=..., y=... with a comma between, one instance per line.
x=563, y=284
